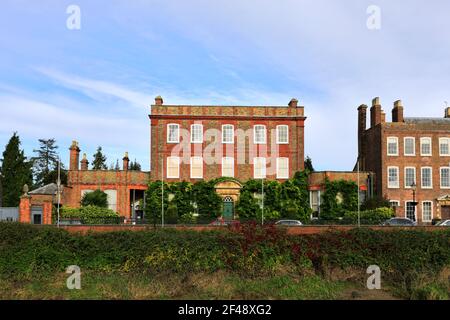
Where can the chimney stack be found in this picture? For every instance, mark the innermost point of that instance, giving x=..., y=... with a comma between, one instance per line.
x=375, y=112
x=293, y=103
x=126, y=162
x=74, y=156
x=159, y=101
x=397, y=111
x=84, y=163
x=362, y=119
x=447, y=112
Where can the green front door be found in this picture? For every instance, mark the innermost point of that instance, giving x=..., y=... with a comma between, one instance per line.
x=228, y=208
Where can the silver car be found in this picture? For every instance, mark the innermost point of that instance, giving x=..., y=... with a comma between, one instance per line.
x=445, y=223
x=289, y=223
x=403, y=222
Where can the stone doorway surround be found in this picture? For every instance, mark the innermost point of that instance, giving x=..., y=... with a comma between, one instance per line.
x=443, y=206
x=229, y=188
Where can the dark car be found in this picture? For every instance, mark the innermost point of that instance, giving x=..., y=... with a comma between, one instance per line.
x=405, y=222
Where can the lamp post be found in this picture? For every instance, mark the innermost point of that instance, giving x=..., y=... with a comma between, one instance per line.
x=414, y=203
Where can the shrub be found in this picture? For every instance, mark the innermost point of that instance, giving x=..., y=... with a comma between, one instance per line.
x=96, y=198
x=172, y=214
x=90, y=215
x=374, y=216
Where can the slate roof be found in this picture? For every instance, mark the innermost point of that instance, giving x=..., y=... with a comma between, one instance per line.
x=428, y=120
x=49, y=189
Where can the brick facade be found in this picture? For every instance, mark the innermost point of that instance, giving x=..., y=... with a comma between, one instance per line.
x=373, y=156
x=243, y=119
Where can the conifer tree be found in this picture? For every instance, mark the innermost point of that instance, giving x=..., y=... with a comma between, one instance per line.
x=15, y=172
x=99, y=162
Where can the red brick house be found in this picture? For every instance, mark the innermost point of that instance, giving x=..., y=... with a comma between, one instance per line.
x=411, y=159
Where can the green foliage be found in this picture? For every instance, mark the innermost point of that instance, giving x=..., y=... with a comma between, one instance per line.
x=374, y=203
x=45, y=163
x=96, y=198
x=374, y=216
x=172, y=214
x=308, y=164
x=135, y=166
x=15, y=173
x=199, y=198
x=410, y=259
x=90, y=215
x=289, y=199
x=99, y=162
x=339, y=196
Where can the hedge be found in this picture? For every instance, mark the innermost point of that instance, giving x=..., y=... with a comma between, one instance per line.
x=90, y=215
x=250, y=250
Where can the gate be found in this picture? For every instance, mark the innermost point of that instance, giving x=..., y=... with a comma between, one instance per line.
x=9, y=214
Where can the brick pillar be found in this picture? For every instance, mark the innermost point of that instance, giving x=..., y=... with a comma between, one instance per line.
x=362, y=123
x=74, y=156
x=47, y=210
x=375, y=112
x=126, y=162
x=25, y=209
x=397, y=112
x=84, y=163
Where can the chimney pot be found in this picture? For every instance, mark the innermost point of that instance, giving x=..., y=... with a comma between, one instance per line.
x=84, y=163
x=159, y=101
x=376, y=101
x=447, y=112
x=126, y=161
x=293, y=103
x=397, y=111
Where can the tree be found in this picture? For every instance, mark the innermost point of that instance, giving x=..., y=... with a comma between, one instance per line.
x=15, y=172
x=45, y=162
x=117, y=166
x=153, y=201
x=99, y=162
x=96, y=198
x=172, y=214
x=135, y=166
x=308, y=164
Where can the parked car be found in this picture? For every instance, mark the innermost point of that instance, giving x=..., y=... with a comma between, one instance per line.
x=445, y=223
x=289, y=223
x=222, y=222
x=399, y=222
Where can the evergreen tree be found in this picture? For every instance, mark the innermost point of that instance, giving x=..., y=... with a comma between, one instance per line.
x=117, y=167
x=45, y=162
x=135, y=166
x=15, y=172
x=99, y=162
x=308, y=164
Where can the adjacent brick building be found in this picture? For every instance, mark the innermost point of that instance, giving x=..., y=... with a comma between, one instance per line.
x=411, y=159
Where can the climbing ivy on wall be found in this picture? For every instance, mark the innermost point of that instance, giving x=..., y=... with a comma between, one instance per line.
x=289, y=199
x=339, y=197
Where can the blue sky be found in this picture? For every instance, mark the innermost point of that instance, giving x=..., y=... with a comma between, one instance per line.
x=95, y=84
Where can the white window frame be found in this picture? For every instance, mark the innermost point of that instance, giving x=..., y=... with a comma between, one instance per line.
x=397, y=202
x=224, y=159
x=254, y=134
x=318, y=200
x=448, y=147
x=431, y=146
x=263, y=165
x=398, y=178
x=278, y=134
x=200, y=159
x=387, y=146
x=440, y=177
x=431, y=178
x=177, y=176
x=414, y=147
x=168, y=133
x=431, y=217
x=278, y=168
x=200, y=140
x=232, y=134
x=408, y=186
x=406, y=210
